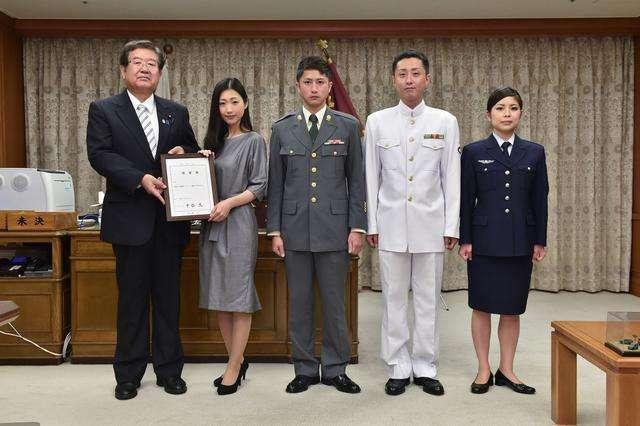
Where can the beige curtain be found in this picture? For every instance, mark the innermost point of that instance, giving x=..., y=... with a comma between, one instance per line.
x=578, y=95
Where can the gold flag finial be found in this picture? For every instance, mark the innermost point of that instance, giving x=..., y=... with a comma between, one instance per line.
x=323, y=45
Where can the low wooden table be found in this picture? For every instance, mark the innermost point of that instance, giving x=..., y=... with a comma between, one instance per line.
x=586, y=338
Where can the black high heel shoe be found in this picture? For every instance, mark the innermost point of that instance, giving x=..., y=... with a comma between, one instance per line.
x=482, y=387
x=229, y=389
x=502, y=380
x=243, y=369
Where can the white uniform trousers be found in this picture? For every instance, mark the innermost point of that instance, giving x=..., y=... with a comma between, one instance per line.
x=421, y=272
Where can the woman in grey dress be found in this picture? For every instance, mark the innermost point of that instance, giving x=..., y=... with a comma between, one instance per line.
x=229, y=239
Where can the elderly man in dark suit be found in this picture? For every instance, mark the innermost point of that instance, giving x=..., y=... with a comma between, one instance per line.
x=316, y=217
x=126, y=134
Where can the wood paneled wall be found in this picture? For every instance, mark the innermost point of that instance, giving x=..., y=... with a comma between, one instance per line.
x=12, y=141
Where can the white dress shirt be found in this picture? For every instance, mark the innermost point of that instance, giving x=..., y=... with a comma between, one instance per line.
x=319, y=114
x=511, y=140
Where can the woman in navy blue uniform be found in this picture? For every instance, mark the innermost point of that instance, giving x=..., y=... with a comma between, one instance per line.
x=503, y=229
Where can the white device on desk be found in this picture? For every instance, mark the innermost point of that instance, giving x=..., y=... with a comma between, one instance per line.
x=36, y=189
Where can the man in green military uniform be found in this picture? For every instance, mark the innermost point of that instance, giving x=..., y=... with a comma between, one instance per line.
x=316, y=218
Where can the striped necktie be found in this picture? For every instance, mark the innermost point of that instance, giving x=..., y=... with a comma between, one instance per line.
x=147, y=128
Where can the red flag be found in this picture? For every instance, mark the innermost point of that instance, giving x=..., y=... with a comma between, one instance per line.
x=339, y=97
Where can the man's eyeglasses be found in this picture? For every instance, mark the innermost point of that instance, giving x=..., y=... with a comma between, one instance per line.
x=139, y=63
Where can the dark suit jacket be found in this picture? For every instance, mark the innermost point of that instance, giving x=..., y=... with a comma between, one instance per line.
x=503, y=209
x=316, y=190
x=119, y=151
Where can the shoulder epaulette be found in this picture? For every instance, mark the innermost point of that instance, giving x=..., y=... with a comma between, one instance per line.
x=289, y=114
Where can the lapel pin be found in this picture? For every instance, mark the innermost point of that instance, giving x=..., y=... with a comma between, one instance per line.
x=299, y=117
x=328, y=117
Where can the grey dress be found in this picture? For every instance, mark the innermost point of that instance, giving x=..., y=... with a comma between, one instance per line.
x=228, y=249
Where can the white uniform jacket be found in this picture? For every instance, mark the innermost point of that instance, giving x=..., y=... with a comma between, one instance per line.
x=412, y=166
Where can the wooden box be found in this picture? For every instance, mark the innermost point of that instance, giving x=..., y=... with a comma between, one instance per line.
x=40, y=221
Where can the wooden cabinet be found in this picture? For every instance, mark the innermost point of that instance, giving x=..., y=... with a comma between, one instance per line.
x=44, y=301
x=94, y=305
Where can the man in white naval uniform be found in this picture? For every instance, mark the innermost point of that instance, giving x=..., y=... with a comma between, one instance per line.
x=413, y=201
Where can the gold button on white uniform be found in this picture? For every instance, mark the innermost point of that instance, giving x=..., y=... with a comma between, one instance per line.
x=314, y=199
x=507, y=198
x=412, y=121
x=313, y=170
x=314, y=154
x=507, y=172
x=410, y=178
x=410, y=198
x=506, y=210
x=411, y=139
x=411, y=158
x=313, y=184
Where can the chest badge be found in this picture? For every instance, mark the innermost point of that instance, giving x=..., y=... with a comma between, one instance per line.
x=486, y=161
x=433, y=136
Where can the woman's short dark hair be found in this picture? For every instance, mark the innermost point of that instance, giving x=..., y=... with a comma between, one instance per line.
x=141, y=44
x=411, y=53
x=313, y=63
x=501, y=93
x=217, y=128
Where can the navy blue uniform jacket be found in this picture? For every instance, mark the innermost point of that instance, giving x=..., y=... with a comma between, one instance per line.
x=503, y=210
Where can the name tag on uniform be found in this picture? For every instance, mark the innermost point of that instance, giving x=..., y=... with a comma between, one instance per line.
x=485, y=161
x=434, y=136
x=334, y=142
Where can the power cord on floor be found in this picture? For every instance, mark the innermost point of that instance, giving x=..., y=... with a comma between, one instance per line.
x=20, y=336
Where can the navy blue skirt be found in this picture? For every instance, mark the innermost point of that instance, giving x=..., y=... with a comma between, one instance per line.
x=499, y=285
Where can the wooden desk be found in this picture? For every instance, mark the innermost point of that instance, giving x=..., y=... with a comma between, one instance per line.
x=586, y=338
x=94, y=295
x=43, y=301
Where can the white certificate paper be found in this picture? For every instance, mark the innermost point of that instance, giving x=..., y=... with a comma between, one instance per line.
x=190, y=189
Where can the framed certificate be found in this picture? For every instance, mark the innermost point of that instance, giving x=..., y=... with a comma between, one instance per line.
x=191, y=186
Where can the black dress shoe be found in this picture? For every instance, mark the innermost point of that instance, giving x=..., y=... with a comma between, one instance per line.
x=429, y=385
x=501, y=380
x=482, y=387
x=126, y=390
x=301, y=383
x=173, y=385
x=243, y=372
x=229, y=389
x=396, y=386
x=343, y=383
